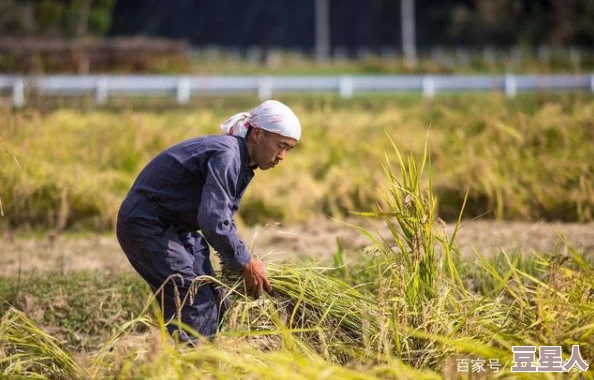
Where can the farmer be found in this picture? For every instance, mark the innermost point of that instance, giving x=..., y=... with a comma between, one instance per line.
x=194, y=186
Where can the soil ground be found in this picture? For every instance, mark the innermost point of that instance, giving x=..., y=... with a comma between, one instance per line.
x=316, y=240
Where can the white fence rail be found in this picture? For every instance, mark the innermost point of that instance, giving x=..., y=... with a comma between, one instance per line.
x=184, y=87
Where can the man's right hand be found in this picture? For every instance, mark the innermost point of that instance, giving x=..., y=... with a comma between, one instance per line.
x=256, y=282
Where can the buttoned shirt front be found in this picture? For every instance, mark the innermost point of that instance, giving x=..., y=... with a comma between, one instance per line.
x=198, y=184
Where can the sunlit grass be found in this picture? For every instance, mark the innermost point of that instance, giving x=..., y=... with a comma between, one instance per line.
x=527, y=160
x=409, y=308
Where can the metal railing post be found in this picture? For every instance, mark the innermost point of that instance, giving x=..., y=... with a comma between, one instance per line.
x=510, y=86
x=265, y=88
x=18, y=93
x=345, y=87
x=428, y=86
x=183, y=93
x=101, y=91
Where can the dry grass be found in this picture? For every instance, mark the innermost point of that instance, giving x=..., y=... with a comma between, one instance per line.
x=316, y=240
x=405, y=311
x=75, y=167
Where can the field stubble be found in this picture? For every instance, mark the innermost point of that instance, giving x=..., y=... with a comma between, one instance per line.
x=315, y=240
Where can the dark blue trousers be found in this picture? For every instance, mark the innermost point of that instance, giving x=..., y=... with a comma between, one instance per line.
x=157, y=251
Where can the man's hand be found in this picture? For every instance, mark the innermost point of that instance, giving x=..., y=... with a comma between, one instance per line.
x=254, y=275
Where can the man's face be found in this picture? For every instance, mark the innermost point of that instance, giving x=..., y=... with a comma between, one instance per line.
x=270, y=148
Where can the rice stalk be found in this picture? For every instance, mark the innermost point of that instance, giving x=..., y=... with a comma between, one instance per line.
x=30, y=351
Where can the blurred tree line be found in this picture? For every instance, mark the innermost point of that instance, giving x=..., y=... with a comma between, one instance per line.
x=55, y=18
x=530, y=22
x=361, y=23
x=289, y=23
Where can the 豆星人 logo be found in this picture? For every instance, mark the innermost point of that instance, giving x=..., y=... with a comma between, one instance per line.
x=549, y=359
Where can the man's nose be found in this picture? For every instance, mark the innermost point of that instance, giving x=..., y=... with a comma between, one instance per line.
x=282, y=154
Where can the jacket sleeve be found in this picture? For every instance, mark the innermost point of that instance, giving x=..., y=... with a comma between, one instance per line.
x=215, y=213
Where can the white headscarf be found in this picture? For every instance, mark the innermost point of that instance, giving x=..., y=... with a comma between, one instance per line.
x=272, y=116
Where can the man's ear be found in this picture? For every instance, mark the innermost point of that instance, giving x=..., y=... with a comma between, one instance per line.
x=256, y=133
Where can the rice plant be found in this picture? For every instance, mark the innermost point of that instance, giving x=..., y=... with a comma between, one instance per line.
x=502, y=154
x=425, y=307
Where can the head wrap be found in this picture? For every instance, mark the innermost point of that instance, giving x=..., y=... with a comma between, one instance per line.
x=272, y=116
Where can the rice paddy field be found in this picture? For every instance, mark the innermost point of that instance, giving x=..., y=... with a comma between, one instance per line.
x=411, y=297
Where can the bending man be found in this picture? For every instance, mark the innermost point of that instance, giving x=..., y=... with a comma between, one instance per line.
x=194, y=186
